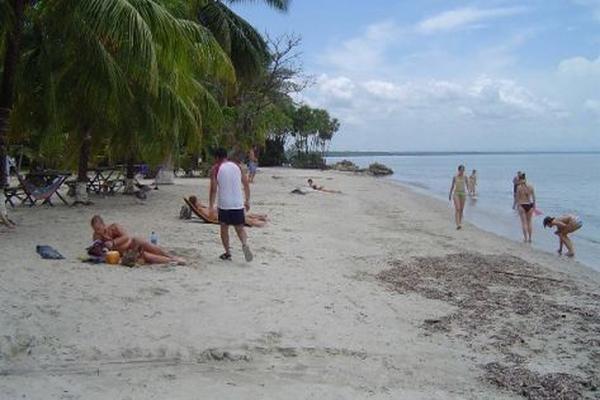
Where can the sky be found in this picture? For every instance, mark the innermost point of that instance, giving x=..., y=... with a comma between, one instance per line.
x=444, y=75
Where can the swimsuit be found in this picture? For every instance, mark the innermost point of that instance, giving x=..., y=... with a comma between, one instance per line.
x=526, y=207
x=460, y=190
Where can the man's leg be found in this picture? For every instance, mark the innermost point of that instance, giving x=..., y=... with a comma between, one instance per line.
x=241, y=232
x=225, y=237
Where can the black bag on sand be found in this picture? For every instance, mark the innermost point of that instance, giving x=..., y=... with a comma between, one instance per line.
x=97, y=249
x=185, y=213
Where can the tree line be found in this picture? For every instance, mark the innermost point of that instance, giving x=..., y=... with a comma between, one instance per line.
x=92, y=82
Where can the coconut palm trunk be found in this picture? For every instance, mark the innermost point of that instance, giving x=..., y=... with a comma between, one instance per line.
x=81, y=194
x=130, y=177
x=7, y=88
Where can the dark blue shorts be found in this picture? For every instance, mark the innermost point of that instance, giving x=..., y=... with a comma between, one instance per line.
x=232, y=217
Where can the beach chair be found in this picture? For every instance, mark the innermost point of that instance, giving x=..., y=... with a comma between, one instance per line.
x=34, y=193
x=15, y=192
x=203, y=216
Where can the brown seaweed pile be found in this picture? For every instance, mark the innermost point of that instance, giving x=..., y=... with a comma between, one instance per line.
x=512, y=308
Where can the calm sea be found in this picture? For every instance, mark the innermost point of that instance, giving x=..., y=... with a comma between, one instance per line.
x=564, y=183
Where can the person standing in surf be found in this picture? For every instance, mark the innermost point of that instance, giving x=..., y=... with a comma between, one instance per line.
x=473, y=183
x=525, y=198
x=515, y=181
x=230, y=184
x=458, y=192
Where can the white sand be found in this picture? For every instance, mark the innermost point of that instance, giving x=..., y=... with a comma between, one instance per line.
x=307, y=319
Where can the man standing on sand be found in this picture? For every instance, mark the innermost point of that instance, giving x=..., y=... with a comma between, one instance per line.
x=227, y=180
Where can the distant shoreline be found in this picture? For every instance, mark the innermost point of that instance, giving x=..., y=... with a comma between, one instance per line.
x=444, y=153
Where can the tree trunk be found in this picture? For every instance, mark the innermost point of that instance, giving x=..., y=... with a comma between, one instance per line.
x=81, y=194
x=7, y=87
x=130, y=177
x=166, y=174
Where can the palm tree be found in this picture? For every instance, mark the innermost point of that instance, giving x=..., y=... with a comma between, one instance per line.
x=11, y=28
x=125, y=67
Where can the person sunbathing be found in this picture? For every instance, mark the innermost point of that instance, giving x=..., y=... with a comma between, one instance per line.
x=251, y=219
x=116, y=238
x=314, y=186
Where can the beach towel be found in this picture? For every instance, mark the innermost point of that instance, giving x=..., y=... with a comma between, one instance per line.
x=48, y=252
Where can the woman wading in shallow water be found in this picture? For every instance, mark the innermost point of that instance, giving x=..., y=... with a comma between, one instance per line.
x=459, y=188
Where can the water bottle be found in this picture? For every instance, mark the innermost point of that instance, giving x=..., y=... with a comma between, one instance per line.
x=154, y=238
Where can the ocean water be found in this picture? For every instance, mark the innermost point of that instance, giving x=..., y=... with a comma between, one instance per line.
x=564, y=184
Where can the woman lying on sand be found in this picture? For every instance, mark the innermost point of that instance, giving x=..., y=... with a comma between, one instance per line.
x=251, y=219
x=314, y=186
x=116, y=238
x=565, y=225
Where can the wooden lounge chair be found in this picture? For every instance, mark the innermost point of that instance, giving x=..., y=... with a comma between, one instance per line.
x=202, y=215
x=34, y=193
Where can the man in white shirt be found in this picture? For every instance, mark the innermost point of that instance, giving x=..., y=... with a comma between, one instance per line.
x=230, y=185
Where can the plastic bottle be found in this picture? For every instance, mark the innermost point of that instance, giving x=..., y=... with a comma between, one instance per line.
x=153, y=238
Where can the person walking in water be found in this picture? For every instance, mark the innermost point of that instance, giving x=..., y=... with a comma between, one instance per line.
x=565, y=225
x=230, y=185
x=458, y=191
x=525, y=198
x=473, y=183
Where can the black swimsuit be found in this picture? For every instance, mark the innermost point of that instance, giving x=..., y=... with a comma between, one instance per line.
x=527, y=206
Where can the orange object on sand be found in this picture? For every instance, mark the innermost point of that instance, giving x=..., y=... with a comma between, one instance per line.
x=113, y=257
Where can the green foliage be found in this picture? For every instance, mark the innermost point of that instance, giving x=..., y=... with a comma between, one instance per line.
x=312, y=160
x=313, y=129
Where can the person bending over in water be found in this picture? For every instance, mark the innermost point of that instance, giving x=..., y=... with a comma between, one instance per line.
x=116, y=238
x=473, y=183
x=525, y=197
x=251, y=219
x=565, y=225
x=458, y=191
x=314, y=186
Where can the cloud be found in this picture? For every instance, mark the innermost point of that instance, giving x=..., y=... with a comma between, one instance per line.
x=462, y=18
x=365, y=51
x=483, y=98
x=581, y=67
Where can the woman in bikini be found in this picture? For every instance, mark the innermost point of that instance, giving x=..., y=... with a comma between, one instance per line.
x=565, y=225
x=116, y=238
x=525, y=196
x=458, y=191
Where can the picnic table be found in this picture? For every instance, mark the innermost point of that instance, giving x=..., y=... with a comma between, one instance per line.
x=106, y=180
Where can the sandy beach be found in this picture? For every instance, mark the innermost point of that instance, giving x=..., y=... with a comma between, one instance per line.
x=371, y=293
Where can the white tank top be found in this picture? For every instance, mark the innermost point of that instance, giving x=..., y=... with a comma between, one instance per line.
x=229, y=180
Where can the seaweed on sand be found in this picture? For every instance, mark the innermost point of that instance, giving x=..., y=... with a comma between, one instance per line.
x=514, y=309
